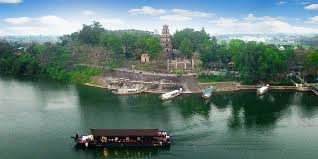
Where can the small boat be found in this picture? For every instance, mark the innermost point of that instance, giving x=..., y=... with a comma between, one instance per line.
x=207, y=93
x=112, y=138
x=127, y=91
x=262, y=90
x=170, y=95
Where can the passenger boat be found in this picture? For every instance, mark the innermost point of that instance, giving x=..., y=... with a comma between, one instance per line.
x=109, y=138
x=170, y=95
x=262, y=90
x=207, y=93
x=126, y=91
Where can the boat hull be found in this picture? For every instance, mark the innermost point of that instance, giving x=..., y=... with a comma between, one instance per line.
x=206, y=96
x=261, y=93
x=127, y=93
x=120, y=145
x=168, y=98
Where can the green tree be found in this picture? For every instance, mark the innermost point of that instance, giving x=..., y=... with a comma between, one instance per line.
x=186, y=48
x=311, y=63
x=153, y=46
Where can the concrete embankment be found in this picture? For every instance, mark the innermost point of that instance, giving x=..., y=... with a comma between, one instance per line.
x=234, y=86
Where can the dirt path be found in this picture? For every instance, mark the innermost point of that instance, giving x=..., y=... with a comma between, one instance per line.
x=191, y=84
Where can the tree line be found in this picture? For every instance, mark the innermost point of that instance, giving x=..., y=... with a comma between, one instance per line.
x=95, y=46
x=254, y=61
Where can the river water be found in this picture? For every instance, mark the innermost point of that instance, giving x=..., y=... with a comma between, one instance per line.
x=37, y=118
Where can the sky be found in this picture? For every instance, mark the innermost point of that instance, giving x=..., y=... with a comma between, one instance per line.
x=59, y=17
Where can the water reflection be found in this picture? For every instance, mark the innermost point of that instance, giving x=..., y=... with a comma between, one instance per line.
x=230, y=125
x=103, y=153
x=246, y=109
x=192, y=121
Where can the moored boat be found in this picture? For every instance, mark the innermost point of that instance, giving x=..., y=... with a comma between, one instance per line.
x=127, y=91
x=170, y=95
x=108, y=138
x=262, y=90
x=207, y=93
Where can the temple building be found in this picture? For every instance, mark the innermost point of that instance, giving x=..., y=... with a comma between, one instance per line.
x=145, y=58
x=165, y=41
x=174, y=62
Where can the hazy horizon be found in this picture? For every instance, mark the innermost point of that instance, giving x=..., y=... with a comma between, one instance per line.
x=59, y=17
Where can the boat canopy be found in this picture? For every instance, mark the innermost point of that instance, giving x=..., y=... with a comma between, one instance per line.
x=262, y=89
x=171, y=93
x=124, y=132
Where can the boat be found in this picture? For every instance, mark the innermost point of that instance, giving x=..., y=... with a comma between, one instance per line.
x=207, y=93
x=127, y=91
x=170, y=95
x=119, y=138
x=262, y=90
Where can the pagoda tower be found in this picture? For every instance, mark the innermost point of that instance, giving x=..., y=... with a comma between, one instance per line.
x=165, y=41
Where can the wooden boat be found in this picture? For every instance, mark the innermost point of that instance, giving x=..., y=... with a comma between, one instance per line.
x=207, y=93
x=262, y=90
x=170, y=95
x=127, y=91
x=108, y=138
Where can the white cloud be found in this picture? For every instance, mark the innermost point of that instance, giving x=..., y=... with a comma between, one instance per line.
x=11, y=1
x=312, y=7
x=225, y=21
x=281, y=2
x=305, y=3
x=112, y=23
x=45, y=25
x=178, y=15
x=253, y=24
x=313, y=20
x=52, y=20
x=189, y=13
x=175, y=18
x=17, y=21
x=252, y=17
x=88, y=13
x=146, y=10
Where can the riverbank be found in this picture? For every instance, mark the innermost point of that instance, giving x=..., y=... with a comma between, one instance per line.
x=159, y=83
x=235, y=86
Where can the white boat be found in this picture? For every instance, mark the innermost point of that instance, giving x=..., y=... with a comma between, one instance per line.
x=262, y=90
x=171, y=95
x=207, y=93
x=126, y=91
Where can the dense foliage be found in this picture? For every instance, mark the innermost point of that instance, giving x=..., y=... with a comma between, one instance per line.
x=119, y=45
x=79, y=56
x=86, y=53
x=311, y=63
x=254, y=61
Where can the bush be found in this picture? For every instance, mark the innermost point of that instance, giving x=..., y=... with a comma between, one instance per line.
x=179, y=72
x=57, y=73
x=76, y=75
x=83, y=74
x=216, y=78
x=144, y=67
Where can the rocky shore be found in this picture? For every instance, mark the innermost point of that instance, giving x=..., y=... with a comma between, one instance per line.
x=161, y=84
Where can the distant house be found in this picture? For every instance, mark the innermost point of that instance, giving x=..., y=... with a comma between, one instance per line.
x=281, y=48
x=284, y=47
x=20, y=50
x=145, y=58
x=24, y=49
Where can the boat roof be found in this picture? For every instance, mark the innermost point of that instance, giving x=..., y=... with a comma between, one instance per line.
x=124, y=132
x=170, y=93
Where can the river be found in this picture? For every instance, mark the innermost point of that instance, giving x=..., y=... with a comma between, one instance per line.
x=37, y=118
